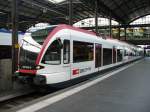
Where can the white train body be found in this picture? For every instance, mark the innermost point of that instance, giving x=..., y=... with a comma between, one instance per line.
x=82, y=53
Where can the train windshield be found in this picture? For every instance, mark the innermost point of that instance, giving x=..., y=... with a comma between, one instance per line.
x=27, y=59
x=28, y=55
x=39, y=35
x=29, y=49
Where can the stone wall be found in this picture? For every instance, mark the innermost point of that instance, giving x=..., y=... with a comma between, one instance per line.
x=6, y=74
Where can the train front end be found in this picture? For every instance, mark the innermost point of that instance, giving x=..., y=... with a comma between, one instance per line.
x=28, y=54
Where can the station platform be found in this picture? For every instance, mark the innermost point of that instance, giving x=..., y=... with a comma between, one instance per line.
x=17, y=90
x=127, y=90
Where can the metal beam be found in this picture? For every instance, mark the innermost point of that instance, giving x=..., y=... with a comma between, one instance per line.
x=14, y=34
x=42, y=6
x=120, y=8
x=125, y=33
x=110, y=26
x=118, y=26
x=104, y=9
x=70, y=12
x=114, y=15
x=119, y=33
x=96, y=17
x=140, y=7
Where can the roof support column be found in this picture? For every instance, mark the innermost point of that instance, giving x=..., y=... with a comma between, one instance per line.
x=96, y=17
x=70, y=12
x=110, y=26
x=119, y=32
x=14, y=35
x=125, y=33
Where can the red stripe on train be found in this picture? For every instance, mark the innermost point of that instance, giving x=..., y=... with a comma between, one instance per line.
x=27, y=71
x=58, y=28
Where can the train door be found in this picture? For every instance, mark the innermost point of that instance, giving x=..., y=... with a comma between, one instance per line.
x=57, y=62
x=82, y=58
x=114, y=55
x=66, y=57
x=98, y=49
x=52, y=61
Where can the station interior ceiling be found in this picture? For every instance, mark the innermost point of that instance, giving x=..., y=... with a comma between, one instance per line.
x=31, y=12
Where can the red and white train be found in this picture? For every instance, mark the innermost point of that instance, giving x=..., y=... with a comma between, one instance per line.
x=58, y=54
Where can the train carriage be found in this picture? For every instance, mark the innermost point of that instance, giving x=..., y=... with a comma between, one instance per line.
x=57, y=54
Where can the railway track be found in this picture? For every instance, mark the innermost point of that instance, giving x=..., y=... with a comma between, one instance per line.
x=8, y=104
x=11, y=103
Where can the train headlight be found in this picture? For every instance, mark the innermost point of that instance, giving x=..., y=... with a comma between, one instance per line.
x=38, y=67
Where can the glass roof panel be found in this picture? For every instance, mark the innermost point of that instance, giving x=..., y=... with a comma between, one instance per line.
x=142, y=20
x=56, y=1
x=89, y=22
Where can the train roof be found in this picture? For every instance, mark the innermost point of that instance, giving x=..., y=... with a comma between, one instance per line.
x=93, y=36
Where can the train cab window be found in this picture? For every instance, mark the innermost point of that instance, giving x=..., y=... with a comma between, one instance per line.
x=41, y=34
x=53, y=54
x=82, y=51
x=66, y=53
x=107, y=56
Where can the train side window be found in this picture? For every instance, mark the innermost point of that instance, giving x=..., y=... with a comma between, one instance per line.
x=107, y=56
x=119, y=55
x=82, y=51
x=53, y=54
x=66, y=52
x=126, y=53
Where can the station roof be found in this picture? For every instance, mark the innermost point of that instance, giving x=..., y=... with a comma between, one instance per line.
x=53, y=12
